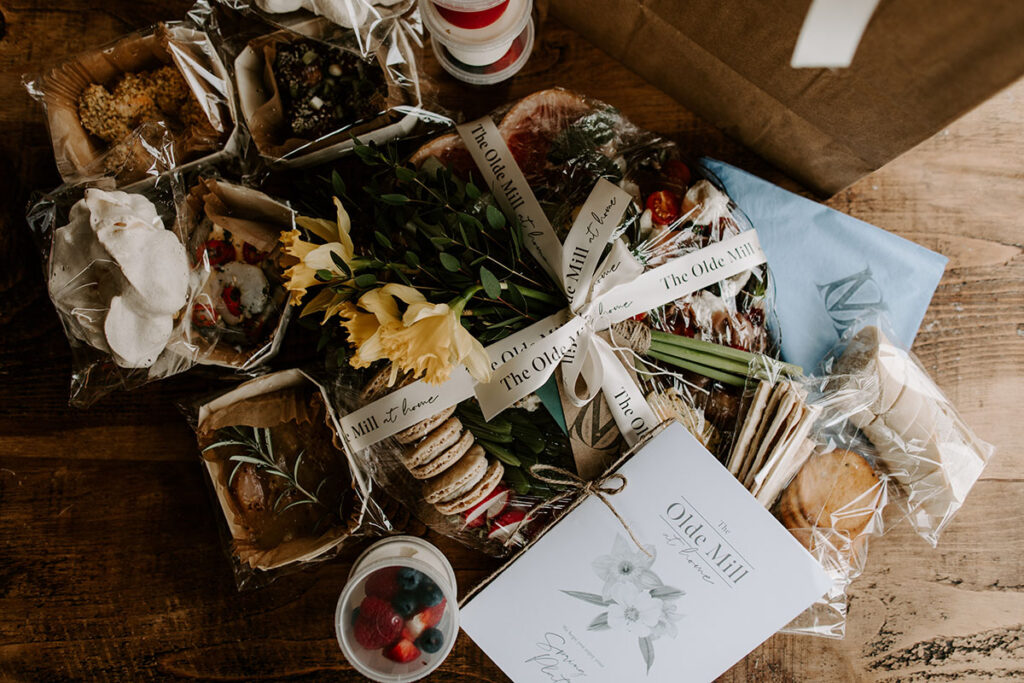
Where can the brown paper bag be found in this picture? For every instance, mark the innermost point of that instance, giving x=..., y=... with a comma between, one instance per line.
x=917, y=68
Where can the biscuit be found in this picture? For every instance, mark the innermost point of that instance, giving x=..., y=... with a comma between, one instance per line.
x=423, y=427
x=446, y=459
x=458, y=478
x=476, y=494
x=436, y=442
x=830, y=491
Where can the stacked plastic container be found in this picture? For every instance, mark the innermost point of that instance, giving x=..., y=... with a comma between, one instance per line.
x=480, y=41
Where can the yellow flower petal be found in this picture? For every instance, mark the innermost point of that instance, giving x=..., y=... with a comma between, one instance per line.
x=344, y=231
x=324, y=229
x=381, y=304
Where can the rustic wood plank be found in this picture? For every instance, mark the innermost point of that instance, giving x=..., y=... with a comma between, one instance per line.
x=110, y=561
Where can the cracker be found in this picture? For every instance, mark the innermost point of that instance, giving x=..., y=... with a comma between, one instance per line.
x=781, y=420
x=750, y=423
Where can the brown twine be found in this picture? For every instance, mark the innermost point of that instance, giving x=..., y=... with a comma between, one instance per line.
x=598, y=487
x=635, y=334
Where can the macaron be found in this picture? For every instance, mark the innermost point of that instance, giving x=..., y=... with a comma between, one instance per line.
x=446, y=459
x=460, y=477
x=380, y=384
x=423, y=427
x=476, y=494
x=440, y=439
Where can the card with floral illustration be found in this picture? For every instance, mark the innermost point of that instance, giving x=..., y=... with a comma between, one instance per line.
x=710, y=575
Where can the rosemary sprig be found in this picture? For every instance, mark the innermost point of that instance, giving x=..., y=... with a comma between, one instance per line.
x=258, y=450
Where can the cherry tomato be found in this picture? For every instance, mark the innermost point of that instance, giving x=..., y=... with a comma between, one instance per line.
x=640, y=317
x=251, y=254
x=664, y=207
x=678, y=171
x=232, y=297
x=203, y=315
x=220, y=251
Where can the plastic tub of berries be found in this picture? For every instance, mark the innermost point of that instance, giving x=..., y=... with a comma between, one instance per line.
x=398, y=616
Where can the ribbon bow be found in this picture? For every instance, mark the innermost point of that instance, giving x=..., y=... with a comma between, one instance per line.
x=577, y=486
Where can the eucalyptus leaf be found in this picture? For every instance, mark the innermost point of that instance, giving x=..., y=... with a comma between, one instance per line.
x=337, y=184
x=382, y=239
x=394, y=198
x=365, y=280
x=412, y=259
x=495, y=217
x=449, y=262
x=490, y=283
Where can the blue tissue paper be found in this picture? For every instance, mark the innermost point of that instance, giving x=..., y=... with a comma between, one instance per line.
x=831, y=269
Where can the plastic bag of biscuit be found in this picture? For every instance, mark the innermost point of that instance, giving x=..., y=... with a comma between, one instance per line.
x=919, y=437
x=118, y=271
x=821, y=480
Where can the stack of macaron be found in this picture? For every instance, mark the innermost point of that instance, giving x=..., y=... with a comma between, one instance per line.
x=480, y=41
x=456, y=472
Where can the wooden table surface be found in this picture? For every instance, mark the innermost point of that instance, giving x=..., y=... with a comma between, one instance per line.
x=111, y=567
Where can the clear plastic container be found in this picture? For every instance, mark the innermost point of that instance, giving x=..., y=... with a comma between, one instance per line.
x=472, y=18
x=478, y=46
x=507, y=66
x=395, y=580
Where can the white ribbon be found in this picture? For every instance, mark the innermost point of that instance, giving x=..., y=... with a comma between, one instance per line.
x=600, y=293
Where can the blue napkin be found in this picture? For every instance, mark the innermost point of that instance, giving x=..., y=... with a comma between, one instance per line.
x=830, y=268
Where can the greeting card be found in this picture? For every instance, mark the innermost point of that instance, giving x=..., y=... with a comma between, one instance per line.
x=709, y=576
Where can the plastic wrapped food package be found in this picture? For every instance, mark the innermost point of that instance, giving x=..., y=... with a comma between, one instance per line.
x=288, y=493
x=168, y=73
x=919, y=436
x=119, y=274
x=818, y=478
x=243, y=310
x=565, y=144
x=306, y=86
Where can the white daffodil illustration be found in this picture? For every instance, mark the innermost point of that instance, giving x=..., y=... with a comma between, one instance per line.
x=635, y=600
x=626, y=564
x=633, y=610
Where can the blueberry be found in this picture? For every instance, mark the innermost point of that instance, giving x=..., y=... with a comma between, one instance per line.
x=405, y=603
x=355, y=615
x=409, y=578
x=430, y=640
x=429, y=593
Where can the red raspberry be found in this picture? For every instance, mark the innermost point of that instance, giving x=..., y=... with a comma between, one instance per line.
x=377, y=625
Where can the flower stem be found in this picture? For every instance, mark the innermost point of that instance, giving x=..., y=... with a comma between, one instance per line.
x=459, y=302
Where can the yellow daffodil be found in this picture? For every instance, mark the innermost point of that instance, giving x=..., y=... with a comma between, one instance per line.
x=316, y=257
x=428, y=339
